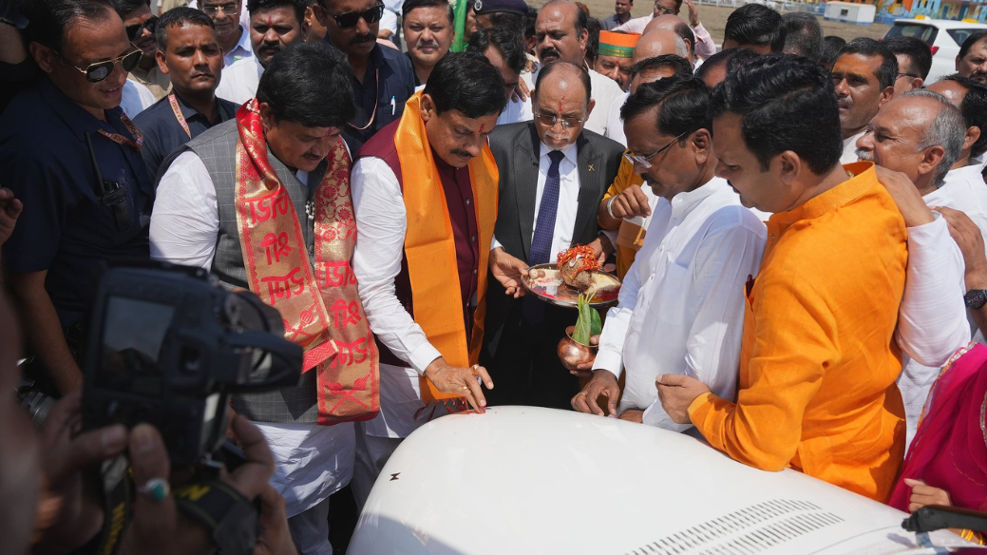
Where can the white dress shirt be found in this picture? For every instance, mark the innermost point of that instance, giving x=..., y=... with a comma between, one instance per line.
x=605, y=92
x=568, y=205
x=136, y=97
x=238, y=82
x=850, y=149
x=243, y=48
x=932, y=321
x=515, y=111
x=615, y=125
x=185, y=218
x=382, y=224
x=681, y=306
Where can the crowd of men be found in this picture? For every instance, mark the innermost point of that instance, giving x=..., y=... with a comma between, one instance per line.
x=798, y=223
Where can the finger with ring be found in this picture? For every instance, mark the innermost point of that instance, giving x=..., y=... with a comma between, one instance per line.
x=156, y=488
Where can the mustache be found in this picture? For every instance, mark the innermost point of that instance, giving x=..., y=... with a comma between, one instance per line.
x=427, y=43
x=363, y=38
x=462, y=153
x=549, y=52
x=864, y=155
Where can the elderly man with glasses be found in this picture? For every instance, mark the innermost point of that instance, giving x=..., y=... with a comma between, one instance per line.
x=686, y=283
x=383, y=78
x=553, y=174
x=73, y=158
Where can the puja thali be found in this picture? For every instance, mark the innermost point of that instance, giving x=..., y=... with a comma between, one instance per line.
x=545, y=282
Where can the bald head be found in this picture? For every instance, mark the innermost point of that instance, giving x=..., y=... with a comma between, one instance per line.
x=657, y=43
x=675, y=24
x=920, y=134
x=561, y=103
x=560, y=32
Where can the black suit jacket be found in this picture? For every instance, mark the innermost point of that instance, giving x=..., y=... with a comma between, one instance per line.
x=516, y=149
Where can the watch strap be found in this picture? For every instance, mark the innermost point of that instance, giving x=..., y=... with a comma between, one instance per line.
x=230, y=518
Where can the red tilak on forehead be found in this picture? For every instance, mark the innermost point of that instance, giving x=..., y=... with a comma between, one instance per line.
x=560, y=105
x=270, y=22
x=482, y=129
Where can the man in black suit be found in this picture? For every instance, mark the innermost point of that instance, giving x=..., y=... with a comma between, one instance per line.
x=553, y=174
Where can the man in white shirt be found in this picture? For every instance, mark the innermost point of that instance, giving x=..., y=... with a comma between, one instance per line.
x=863, y=77
x=704, y=46
x=232, y=35
x=686, y=285
x=970, y=97
x=274, y=25
x=921, y=135
x=504, y=49
x=292, y=167
x=561, y=34
x=553, y=174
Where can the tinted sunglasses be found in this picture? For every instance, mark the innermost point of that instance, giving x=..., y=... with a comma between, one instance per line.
x=97, y=71
x=135, y=30
x=350, y=19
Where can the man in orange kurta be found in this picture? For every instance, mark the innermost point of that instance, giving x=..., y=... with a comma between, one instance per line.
x=817, y=374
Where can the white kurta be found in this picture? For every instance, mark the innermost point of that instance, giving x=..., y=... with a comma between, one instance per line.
x=681, y=307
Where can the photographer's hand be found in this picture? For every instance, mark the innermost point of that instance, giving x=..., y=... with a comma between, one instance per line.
x=75, y=510
x=159, y=528
x=275, y=539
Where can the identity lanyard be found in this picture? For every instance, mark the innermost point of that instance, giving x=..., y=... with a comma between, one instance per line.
x=136, y=143
x=173, y=100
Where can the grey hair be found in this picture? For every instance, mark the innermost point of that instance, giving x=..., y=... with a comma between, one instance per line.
x=948, y=130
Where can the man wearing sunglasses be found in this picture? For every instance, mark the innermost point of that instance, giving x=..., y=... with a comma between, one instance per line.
x=73, y=158
x=140, y=25
x=686, y=283
x=383, y=78
x=553, y=174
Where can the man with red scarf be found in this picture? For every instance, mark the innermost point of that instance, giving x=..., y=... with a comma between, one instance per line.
x=263, y=202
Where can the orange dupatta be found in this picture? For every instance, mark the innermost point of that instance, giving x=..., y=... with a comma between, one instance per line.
x=319, y=303
x=430, y=247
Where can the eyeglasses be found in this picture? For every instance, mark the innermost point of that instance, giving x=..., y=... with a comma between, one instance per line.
x=135, y=30
x=213, y=9
x=568, y=122
x=97, y=71
x=644, y=160
x=662, y=10
x=912, y=75
x=350, y=19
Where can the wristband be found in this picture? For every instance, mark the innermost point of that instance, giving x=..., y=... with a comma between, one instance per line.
x=610, y=208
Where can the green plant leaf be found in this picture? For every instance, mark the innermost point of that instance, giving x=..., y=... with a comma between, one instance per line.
x=584, y=323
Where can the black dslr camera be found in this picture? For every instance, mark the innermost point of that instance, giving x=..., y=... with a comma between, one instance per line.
x=167, y=346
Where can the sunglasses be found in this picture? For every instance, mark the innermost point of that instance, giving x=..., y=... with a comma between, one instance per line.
x=135, y=30
x=97, y=71
x=350, y=19
x=227, y=8
x=551, y=119
x=644, y=160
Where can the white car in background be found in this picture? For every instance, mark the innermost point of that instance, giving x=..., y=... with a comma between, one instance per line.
x=519, y=480
x=944, y=37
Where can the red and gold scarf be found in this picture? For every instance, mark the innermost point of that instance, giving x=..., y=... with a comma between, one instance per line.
x=319, y=303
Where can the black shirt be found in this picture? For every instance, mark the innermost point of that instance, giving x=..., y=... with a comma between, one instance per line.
x=163, y=134
x=68, y=227
x=387, y=85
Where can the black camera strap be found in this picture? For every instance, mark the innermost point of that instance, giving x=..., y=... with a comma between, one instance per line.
x=231, y=518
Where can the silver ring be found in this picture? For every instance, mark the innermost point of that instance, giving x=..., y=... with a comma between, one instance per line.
x=156, y=488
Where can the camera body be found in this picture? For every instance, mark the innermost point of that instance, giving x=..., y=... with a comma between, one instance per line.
x=168, y=345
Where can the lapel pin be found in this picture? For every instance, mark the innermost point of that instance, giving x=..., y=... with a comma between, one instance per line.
x=591, y=168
